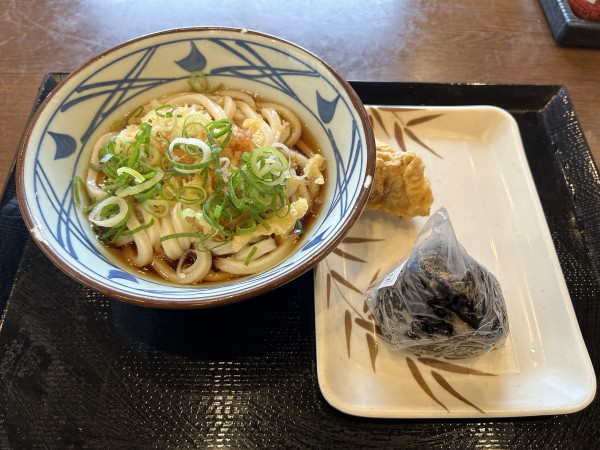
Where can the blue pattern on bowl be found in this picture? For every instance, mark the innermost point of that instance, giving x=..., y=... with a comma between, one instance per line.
x=127, y=78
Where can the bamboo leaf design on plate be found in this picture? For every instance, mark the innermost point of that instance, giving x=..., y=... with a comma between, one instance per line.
x=375, y=276
x=347, y=256
x=454, y=368
x=394, y=109
x=364, y=323
x=414, y=137
x=340, y=279
x=449, y=367
x=328, y=288
x=414, y=370
x=348, y=328
x=360, y=240
x=422, y=119
x=372, y=343
x=401, y=129
x=377, y=116
x=373, y=349
x=399, y=136
x=351, y=311
x=443, y=383
x=365, y=307
x=368, y=325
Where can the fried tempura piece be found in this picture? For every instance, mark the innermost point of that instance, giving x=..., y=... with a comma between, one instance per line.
x=400, y=186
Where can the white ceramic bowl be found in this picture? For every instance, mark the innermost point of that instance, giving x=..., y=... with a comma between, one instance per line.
x=56, y=147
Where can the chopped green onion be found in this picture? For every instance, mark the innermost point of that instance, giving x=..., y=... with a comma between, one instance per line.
x=198, y=81
x=167, y=191
x=131, y=190
x=177, y=162
x=165, y=111
x=107, y=158
x=246, y=226
x=148, y=194
x=208, y=212
x=298, y=227
x=220, y=128
x=182, y=235
x=195, y=125
x=110, y=235
x=110, y=212
x=250, y=255
x=217, y=211
x=142, y=139
x=195, y=148
x=158, y=208
x=139, y=178
x=138, y=229
x=79, y=192
x=199, y=191
x=135, y=114
x=96, y=167
x=269, y=165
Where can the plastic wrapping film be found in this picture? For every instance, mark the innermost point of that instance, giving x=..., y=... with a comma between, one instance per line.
x=439, y=301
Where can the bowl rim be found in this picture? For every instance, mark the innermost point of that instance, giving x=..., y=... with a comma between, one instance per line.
x=197, y=302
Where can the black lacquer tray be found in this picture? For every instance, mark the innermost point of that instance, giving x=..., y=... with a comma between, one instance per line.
x=82, y=370
x=567, y=28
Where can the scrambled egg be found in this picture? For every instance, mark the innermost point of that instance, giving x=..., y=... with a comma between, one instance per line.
x=313, y=168
x=280, y=226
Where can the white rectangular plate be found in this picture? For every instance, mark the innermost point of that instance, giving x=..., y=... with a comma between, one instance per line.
x=476, y=163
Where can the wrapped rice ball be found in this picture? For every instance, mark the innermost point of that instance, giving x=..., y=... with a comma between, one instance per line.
x=440, y=301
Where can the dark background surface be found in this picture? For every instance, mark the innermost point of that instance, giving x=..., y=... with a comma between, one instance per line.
x=81, y=370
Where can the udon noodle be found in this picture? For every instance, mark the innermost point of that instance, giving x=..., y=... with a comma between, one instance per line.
x=203, y=186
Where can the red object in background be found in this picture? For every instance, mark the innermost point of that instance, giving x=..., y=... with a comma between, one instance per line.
x=586, y=9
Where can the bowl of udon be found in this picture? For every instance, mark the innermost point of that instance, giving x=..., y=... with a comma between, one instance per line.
x=195, y=167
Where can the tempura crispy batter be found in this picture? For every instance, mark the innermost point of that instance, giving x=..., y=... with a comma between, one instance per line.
x=400, y=186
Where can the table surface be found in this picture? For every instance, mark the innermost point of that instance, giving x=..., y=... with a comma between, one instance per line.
x=455, y=41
